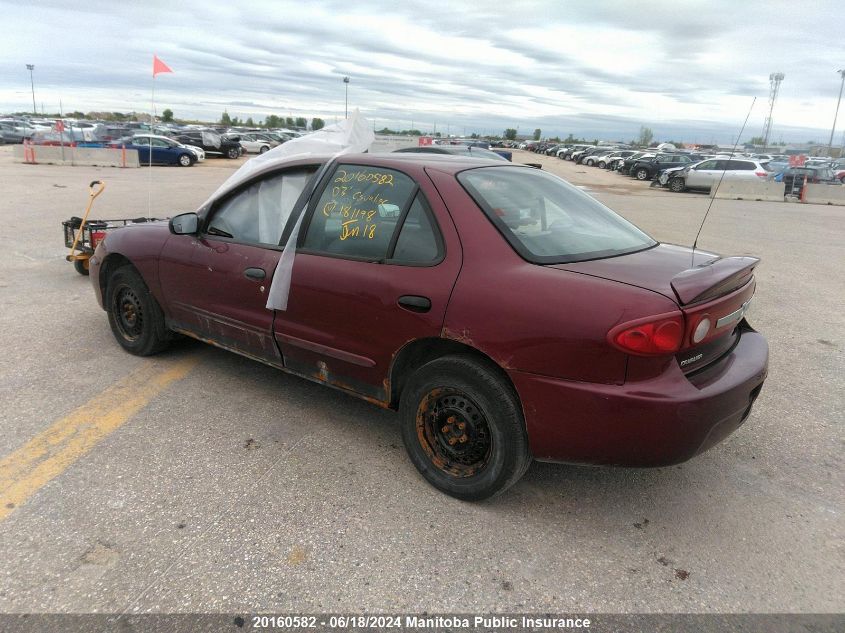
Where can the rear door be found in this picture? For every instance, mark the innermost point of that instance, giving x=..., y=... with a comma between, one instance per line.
x=377, y=259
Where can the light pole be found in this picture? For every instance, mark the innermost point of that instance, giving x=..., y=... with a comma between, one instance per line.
x=30, y=68
x=346, y=99
x=836, y=114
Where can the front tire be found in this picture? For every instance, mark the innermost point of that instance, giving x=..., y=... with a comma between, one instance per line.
x=641, y=174
x=677, y=185
x=463, y=428
x=602, y=164
x=185, y=160
x=135, y=317
x=233, y=152
x=263, y=149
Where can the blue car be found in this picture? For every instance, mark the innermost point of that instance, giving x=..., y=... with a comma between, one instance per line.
x=165, y=151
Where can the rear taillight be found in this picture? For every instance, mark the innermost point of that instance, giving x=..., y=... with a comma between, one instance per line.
x=762, y=174
x=656, y=336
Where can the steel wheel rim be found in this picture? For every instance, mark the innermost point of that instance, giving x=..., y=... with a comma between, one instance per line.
x=128, y=313
x=453, y=432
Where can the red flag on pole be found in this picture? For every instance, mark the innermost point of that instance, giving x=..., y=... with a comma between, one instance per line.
x=160, y=67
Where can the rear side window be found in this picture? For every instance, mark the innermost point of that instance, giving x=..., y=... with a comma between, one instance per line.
x=547, y=220
x=359, y=211
x=419, y=241
x=741, y=165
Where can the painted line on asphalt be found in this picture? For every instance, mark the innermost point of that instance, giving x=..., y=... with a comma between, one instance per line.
x=51, y=452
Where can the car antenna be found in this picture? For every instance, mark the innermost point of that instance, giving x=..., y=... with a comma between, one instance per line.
x=713, y=195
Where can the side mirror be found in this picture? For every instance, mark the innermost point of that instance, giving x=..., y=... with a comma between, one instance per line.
x=184, y=224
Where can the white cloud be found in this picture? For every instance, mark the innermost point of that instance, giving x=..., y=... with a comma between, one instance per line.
x=599, y=68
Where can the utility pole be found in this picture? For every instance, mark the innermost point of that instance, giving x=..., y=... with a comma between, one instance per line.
x=30, y=68
x=346, y=100
x=836, y=114
x=774, y=88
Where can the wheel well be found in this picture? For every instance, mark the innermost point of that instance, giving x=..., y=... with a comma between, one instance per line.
x=421, y=351
x=109, y=265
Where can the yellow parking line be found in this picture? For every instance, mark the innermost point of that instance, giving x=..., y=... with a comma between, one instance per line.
x=51, y=452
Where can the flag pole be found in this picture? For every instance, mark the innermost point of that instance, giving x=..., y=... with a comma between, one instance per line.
x=150, y=166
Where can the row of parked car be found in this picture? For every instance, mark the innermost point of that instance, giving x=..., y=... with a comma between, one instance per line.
x=166, y=143
x=680, y=171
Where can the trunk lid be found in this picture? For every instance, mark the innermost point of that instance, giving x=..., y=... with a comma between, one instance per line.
x=714, y=288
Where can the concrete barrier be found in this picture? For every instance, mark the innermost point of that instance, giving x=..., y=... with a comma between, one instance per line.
x=824, y=194
x=767, y=190
x=89, y=156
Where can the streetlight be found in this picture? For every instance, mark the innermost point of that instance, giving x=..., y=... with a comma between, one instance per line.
x=346, y=101
x=833, y=129
x=30, y=68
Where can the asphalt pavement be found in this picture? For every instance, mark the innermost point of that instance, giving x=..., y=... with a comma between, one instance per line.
x=200, y=481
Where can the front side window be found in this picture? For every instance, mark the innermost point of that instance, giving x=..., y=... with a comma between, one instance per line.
x=547, y=220
x=358, y=212
x=258, y=214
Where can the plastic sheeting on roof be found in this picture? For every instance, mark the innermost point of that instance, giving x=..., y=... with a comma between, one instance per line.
x=354, y=135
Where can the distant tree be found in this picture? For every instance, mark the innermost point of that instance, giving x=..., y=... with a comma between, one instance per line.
x=225, y=119
x=301, y=122
x=317, y=123
x=236, y=122
x=273, y=121
x=646, y=136
x=510, y=134
x=537, y=133
x=76, y=114
x=756, y=140
x=570, y=139
x=167, y=115
x=249, y=122
x=473, y=135
x=289, y=121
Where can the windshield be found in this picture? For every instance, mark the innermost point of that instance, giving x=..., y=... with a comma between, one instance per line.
x=548, y=221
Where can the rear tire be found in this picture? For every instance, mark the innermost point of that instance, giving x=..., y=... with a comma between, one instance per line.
x=135, y=317
x=463, y=428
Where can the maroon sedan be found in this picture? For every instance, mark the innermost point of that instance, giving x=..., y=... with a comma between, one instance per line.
x=505, y=314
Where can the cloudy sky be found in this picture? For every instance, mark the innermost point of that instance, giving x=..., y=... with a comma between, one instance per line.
x=601, y=68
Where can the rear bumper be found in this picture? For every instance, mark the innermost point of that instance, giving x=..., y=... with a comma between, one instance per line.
x=657, y=422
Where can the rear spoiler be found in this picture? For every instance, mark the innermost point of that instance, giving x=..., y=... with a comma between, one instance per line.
x=713, y=279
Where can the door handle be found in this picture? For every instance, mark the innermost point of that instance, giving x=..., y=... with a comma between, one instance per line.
x=255, y=273
x=415, y=303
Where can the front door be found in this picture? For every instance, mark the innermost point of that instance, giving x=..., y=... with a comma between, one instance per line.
x=705, y=174
x=216, y=283
x=377, y=261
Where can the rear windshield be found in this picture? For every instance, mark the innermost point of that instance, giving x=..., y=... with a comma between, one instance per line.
x=548, y=221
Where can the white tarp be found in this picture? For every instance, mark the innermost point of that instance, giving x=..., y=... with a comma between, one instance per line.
x=354, y=135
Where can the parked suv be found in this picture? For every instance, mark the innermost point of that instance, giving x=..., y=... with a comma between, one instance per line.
x=648, y=168
x=706, y=173
x=211, y=142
